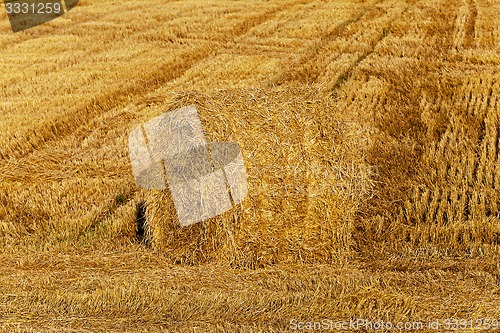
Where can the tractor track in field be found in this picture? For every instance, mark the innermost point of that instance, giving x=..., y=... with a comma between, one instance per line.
x=470, y=24
x=303, y=73
x=465, y=26
x=306, y=75
x=386, y=30
x=43, y=134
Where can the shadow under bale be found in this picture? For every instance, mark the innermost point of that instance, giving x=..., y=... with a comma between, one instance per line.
x=140, y=222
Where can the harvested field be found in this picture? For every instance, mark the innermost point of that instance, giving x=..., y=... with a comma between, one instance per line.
x=370, y=136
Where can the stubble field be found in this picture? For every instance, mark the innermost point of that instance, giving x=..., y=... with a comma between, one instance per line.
x=370, y=135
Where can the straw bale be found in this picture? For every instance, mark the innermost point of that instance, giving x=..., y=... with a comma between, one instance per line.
x=300, y=203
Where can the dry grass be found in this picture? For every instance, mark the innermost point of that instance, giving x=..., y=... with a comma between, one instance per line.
x=138, y=291
x=369, y=131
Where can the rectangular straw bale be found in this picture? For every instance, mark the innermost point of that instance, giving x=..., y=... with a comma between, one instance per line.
x=298, y=208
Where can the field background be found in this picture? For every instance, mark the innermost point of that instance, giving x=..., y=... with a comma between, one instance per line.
x=370, y=133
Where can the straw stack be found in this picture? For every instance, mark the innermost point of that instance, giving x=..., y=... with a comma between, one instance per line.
x=299, y=207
